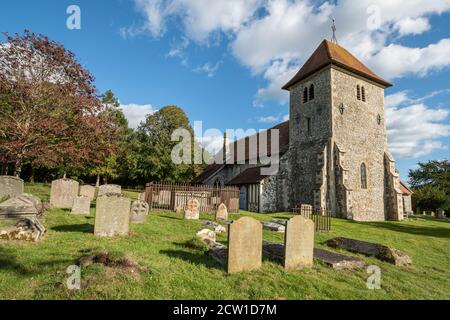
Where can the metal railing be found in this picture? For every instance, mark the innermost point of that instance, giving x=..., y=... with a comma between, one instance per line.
x=173, y=197
x=320, y=217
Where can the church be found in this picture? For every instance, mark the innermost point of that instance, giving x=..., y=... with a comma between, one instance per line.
x=333, y=152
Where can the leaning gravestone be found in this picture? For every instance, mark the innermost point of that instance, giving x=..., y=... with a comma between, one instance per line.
x=139, y=211
x=88, y=191
x=440, y=214
x=81, y=205
x=63, y=193
x=299, y=243
x=112, y=217
x=192, y=211
x=244, y=245
x=109, y=189
x=23, y=206
x=10, y=187
x=222, y=212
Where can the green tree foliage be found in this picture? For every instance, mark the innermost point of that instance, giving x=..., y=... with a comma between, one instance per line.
x=431, y=185
x=155, y=147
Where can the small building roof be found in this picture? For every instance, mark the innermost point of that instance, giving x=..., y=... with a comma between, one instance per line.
x=249, y=176
x=406, y=191
x=329, y=53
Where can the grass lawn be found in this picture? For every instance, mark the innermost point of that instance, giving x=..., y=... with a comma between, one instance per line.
x=176, y=268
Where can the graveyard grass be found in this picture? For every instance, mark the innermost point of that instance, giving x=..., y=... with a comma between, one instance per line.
x=175, y=265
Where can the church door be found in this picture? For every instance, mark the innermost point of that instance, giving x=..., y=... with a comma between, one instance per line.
x=243, y=198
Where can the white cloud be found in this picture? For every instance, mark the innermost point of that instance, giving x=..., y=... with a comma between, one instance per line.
x=414, y=130
x=272, y=38
x=412, y=26
x=136, y=113
x=209, y=69
x=212, y=142
x=396, y=61
x=268, y=119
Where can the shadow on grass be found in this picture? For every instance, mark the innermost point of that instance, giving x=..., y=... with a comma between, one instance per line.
x=416, y=230
x=8, y=261
x=171, y=217
x=195, y=258
x=83, y=228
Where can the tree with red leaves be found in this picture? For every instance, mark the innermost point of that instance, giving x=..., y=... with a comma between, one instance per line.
x=50, y=113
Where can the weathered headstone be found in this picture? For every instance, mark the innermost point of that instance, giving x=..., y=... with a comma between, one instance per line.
x=192, y=211
x=25, y=205
x=112, y=216
x=376, y=250
x=81, y=205
x=244, y=245
x=299, y=243
x=10, y=187
x=440, y=214
x=139, y=211
x=88, y=191
x=109, y=189
x=63, y=193
x=26, y=229
x=222, y=212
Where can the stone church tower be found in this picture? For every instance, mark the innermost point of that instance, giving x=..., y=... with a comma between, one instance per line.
x=338, y=156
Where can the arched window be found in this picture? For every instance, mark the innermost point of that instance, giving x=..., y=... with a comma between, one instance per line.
x=311, y=92
x=363, y=94
x=363, y=176
x=358, y=92
x=305, y=95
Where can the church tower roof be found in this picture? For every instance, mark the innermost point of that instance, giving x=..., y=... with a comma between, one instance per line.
x=329, y=53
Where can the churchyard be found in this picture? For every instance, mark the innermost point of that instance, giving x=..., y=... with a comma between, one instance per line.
x=161, y=256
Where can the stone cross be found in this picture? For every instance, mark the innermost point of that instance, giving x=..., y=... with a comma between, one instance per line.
x=299, y=243
x=222, y=212
x=81, y=205
x=139, y=211
x=192, y=211
x=63, y=193
x=244, y=245
x=112, y=217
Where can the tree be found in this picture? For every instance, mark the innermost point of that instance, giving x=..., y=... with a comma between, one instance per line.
x=431, y=185
x=430, y=198
x=155, y=147
x=108, y=166
x=49, y=113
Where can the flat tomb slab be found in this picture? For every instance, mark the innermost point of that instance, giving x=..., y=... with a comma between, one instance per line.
x=338, y=261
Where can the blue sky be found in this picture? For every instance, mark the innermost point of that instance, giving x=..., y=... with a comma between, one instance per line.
x=224, y=61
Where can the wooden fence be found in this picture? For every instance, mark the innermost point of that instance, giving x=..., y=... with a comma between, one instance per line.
x=173, y=197
x=320, y=217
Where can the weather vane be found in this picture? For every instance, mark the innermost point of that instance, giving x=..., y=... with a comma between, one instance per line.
x=333, y=28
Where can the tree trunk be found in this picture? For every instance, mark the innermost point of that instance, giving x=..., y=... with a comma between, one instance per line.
x=32, y=174
x=18, y=168
x=105, y=179
x=97, y=184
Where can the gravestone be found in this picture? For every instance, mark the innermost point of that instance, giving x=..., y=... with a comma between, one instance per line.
x=109, y=189
x=23, y=206
x=81, y=205
x=299, y=243
x=222, y=212
x=244, y=245
x=10, y=187
x=192, y=211
x=112, y=217
x=440, y=214
x=88, y=191
x=139, y=211
x=63, y=193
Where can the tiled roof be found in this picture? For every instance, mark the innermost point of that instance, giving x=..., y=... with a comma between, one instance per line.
x=249, y=176
x=206, y=173
x=404, y=188
x=329, y=53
